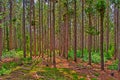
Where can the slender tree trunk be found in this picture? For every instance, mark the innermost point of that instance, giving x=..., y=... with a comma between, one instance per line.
x=54, y=60
x=0, y=40
x=10, y=31
x=30, y=28
x=107, y=25
x=34, y=28
x=101, y=41
x=118, y=36
x=115, y=33
x=0, y=31
x=60, y=40
x=66, y=36
x=24, y=37
x=75, y=33
x=50, y=31
x=42, y=2
x=82, y=41
x=39, y=45
x=90, y=39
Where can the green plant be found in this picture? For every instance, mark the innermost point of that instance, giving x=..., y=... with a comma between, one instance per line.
x=4, y=71
x=93, y=79
x=114, y=66
x=7, y=67
x=12, y=54
x=82, y=79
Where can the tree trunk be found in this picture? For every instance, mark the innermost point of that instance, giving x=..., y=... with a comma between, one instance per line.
x=75, y=33
x=115, y=33
x=90, y=39
x=24, y=37
x=101, y=42
x=53, y=41
x=82, y=41
x=0, y=42
x=10, y=31
x=118, y=22
x=30, y=28
x=107, y=25
x=34, y=28
x=39, y=45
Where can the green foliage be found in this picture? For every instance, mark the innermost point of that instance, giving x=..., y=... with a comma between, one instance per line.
x=95, y=55
x=33, y=22
x=114, y=65
x=101, y=6
x=26, y=60
x=82, y=79
x=12, y=54
x=91, y=30
x=14, y=19
x=116, y=2
x=58, y=74
x=7, y=67
x=4, y=71
x=96, y=74
x=94, y=79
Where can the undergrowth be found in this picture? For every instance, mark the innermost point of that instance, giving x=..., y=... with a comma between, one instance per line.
x=12, y=54
x=95, y=55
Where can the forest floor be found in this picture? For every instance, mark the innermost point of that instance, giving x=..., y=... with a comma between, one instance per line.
x=39, y=69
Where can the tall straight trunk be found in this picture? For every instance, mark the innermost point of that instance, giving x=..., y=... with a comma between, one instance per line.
x=24, y=37
x=82, y=39
x=7, y=36
x=50, y=31
x=115, y=33
x=60, y=40
x=0, y=31
x=4, y=31
x=34, y=28
x=67, y=30
x=0, y=40
x=98, y=28
x=15, y=38
x=75, y=33
x=39, y=45
x=90, y=39
x=53, y=41
x=10, y=31
x=101, y=41
x=64, y=36
x=42, y=48
x=107, y=25
x=66, y=50
x=118, y=40
x=31, y=28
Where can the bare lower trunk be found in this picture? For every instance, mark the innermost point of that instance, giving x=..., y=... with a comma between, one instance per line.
x=0, y=43
x=101, y=43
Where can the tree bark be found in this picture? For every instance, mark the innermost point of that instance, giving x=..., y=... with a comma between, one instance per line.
x=101, y=41
x=82, y=41
x=10, y=31
x=0, y=32
x=75, y=33
x=24, y=37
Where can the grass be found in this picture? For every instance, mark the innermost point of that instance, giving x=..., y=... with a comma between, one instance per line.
x=57, y=74
x=8, y=67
